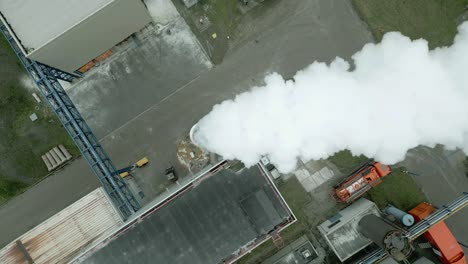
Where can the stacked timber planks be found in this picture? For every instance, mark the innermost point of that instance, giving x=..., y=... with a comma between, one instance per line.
x=56, y=157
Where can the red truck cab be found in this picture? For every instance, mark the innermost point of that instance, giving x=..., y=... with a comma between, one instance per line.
x=360, y=181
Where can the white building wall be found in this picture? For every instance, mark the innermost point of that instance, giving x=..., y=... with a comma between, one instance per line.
x=92, y=36
x=36, y=22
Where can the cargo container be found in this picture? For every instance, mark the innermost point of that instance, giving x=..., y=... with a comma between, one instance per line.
x=360, y=181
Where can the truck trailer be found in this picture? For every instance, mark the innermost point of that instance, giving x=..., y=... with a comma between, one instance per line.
x=360, y=181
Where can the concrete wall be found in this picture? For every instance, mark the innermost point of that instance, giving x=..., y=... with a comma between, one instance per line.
x=94, y=35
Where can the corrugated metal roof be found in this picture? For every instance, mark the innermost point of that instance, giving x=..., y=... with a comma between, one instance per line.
x=65, y=234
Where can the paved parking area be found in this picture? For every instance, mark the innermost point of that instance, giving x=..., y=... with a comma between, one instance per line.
x=313, y=29
x=145, y=70
x=286, y=49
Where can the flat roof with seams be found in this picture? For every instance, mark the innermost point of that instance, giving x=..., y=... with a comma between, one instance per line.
x=341, y=231
x=206, y=224
x=36, y=22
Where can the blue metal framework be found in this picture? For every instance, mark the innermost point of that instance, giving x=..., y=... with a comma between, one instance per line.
x=58, y=74
x=100, y=163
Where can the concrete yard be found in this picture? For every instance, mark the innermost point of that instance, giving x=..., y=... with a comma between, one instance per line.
x=193, y=228
x=173, y=100
x=144, y=71
x=157, y=131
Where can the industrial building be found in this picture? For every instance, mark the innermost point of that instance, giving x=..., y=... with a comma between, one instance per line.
x=398, y=243
x=341, y=231
x=61, y=237
x=67, y=35
x=359, y=225
x=217, y=218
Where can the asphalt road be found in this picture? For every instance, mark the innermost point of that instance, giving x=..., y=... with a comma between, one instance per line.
x=309, y=30
x=297, y=41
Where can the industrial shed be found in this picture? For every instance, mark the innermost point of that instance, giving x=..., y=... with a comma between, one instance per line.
x=218, y=218
x=68, y=34
x=61, y=237
x=341, y=231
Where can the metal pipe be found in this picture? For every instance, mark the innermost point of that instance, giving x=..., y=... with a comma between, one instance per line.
x=441, y=214
x=373, y=257
x=420, y=228
x=462, y=244
x=405, y=218
x=12, y=34
x=77, y=128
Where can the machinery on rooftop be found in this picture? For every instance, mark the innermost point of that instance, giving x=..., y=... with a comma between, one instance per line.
x=360, y=181
x=397, y=242
x=439, y=236
x=386, y=235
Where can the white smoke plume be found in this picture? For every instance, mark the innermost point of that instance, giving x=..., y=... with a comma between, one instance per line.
x=399, y=95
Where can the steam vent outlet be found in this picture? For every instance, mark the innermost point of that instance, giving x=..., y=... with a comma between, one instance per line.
x=193, y=132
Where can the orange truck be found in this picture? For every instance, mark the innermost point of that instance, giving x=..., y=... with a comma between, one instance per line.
x=360, y=181
x=439, y=236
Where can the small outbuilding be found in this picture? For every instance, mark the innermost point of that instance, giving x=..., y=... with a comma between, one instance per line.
x=341, y=231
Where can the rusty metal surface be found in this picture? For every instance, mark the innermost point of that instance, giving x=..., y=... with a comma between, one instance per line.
x=64, y=235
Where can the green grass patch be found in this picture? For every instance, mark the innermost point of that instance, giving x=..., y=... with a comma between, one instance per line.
x=297, y=198
x=224, y=14
x=10, y=188
x=215, y=36
x=346, y=162
x=433, y=20
x=398, y=189
x=23, y=142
